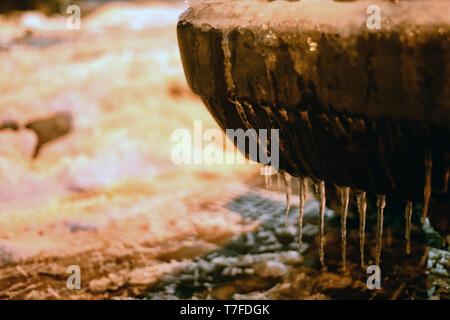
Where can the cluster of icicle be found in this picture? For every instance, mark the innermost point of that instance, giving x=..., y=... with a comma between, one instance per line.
x=345, y=199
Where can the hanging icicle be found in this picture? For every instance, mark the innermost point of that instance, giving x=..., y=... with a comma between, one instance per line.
x=446, y=177
x=321, y=197
x=345, y=196
x=408, y=215
x=303, y=196
x=381, y=204
x=427, y=188
x=278, y=182
x=362, y=207
x=269, y=172
x=287, y=182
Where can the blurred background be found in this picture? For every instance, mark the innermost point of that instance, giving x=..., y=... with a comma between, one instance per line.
x=86, y=176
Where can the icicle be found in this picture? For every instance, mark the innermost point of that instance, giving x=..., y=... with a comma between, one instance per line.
x=269, y=172
x=287, y=182
x=381, y=204
x=266, y=177
x=303, y=196
x=362, y=207
x=408, y=214
x=427, y=188
x=446, y=177
x=322, y=199
x=345, y=195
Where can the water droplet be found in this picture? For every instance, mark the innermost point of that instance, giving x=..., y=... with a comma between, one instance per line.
x=312, y=44
x=269, y=39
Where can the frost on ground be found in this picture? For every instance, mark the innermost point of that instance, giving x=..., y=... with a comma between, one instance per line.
x=105, y=197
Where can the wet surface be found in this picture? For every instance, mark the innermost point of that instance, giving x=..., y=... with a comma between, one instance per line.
x=266, y=264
